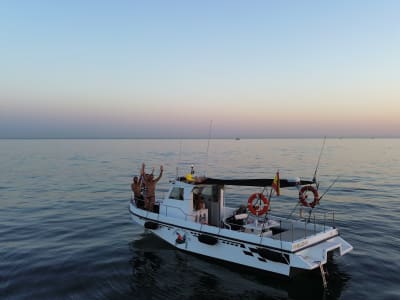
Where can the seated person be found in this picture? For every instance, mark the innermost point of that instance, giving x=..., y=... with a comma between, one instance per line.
x=198, y=201
x=241, y=210
x=238, y=219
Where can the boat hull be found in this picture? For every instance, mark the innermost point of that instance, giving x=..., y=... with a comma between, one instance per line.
x=217, y=247
x=232, y=247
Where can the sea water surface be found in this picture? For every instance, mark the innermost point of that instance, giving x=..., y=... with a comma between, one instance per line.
x=66, y=233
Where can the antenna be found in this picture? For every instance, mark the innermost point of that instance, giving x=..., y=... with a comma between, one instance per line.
x=208, y=144
x=179, y=158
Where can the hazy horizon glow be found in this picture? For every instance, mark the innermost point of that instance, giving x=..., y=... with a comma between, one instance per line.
x=167, y=68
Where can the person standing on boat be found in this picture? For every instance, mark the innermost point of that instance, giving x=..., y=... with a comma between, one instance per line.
x=150, y=183
x=136, y=187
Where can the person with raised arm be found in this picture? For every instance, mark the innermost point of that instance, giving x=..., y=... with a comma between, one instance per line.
x=150, y=187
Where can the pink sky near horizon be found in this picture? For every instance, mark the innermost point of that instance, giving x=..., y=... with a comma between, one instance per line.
x=193, y=120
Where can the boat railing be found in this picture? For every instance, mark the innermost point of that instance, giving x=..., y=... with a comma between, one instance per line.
x=227, y=225
x=305, y=226
x=177, y=208
x=291, y=229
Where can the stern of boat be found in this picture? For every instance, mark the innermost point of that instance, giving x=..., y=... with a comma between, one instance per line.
x=315, y=256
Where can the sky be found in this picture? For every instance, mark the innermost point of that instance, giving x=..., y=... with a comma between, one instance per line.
x=198, y=69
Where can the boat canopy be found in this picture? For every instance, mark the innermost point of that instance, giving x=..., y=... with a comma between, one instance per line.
x=260, y=182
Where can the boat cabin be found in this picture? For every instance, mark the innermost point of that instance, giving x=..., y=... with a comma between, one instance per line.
x=189, y=201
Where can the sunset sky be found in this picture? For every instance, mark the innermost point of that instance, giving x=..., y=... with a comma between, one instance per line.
x=165, y=69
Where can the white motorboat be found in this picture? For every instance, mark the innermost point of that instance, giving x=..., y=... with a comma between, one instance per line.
x=193, y=217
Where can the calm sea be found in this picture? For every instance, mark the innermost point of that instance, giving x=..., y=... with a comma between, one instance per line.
x=65, y=229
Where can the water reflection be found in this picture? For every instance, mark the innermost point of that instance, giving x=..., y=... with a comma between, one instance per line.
x=145, y=264
x=159, y=271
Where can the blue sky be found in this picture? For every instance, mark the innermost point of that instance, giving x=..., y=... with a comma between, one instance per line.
x=167, y=68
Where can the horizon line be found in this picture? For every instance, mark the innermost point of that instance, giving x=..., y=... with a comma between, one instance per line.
x=198, y=138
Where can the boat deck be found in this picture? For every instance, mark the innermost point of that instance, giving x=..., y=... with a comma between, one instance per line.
x=292, y=230
x=285, y=229
x=290, y=235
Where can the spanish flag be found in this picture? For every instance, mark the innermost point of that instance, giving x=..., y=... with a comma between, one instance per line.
x=276, y=184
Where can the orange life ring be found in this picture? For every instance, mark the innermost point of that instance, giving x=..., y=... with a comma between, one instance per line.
x=303, y=196
x=256, y=209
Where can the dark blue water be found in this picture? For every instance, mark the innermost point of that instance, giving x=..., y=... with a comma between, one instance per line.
x=65, y=229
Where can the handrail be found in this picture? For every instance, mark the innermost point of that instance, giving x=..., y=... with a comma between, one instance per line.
x=312, y=219
x=313, y=224
x=179, y=209
x=227, y=224
x=306, y=226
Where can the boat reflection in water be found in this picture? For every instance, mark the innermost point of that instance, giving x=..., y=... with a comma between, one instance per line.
x=159, y=271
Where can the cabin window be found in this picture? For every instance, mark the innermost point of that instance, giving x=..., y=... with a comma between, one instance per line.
x=176, y=193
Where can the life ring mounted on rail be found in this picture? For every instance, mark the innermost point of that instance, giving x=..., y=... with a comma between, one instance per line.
x=303, y=196
x=257, y=208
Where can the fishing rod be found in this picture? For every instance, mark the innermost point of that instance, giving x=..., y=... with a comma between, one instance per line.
x=331, y=185
x=294, y=209
x=319, y=198
x=269, y=201
x=319, y=159
x=315, y=176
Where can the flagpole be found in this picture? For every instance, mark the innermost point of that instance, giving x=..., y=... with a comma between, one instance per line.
x=276, y=183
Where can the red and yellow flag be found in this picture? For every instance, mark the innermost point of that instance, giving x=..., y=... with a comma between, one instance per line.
x=276, y=184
